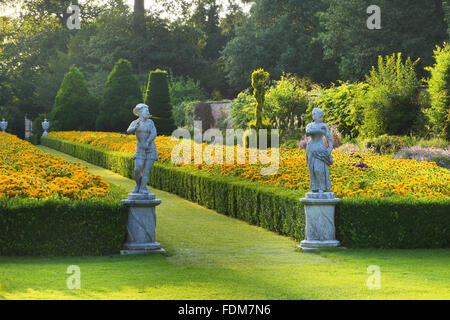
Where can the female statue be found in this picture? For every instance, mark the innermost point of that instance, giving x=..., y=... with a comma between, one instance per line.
x=318, y=156
x=146, y=153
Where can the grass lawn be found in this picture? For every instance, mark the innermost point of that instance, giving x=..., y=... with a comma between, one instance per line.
x=211, y=256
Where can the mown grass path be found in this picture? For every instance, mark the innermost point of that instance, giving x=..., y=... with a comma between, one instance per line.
x=211, y=256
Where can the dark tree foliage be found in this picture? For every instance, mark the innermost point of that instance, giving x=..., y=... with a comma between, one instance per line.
x=278, y=37
x=75, y=108
x=158, y=100
x=122, y=93
x=410, y=27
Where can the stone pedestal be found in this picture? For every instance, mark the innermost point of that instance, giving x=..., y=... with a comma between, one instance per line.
x=141, y=224
x=319, y=212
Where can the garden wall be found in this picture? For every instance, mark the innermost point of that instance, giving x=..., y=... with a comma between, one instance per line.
x=397, y=222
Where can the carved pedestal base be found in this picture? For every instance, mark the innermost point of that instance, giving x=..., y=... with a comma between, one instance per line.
x=141, y=224
x=320, y=229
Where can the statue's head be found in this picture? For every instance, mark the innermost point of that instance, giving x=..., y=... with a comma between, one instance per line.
x=141, y=110
x=317, y=114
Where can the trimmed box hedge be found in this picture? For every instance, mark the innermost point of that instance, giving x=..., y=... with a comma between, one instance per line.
x=51, y=226
x=398, y=222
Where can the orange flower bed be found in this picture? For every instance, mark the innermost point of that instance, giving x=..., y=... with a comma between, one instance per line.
x=353, y=172
x=27, y=172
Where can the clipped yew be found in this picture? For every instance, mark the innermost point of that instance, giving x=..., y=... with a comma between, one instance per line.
x=121, y=94
x=158, y=99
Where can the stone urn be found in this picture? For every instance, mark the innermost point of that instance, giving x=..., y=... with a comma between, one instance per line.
x=3, y=125
x=45, y=125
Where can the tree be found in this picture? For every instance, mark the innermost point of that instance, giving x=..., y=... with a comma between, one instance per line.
x=122, y=93
x=446, y=5
x=158, y=99
x=75, y=108
x=278, y=37
x=139, y=18
x=286, y=103
x=390, y=105
x=342, y=106
x=58, y=8
x=439, y=88
x=413, y=28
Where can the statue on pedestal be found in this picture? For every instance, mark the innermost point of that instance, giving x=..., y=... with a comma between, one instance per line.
x=141, y=203
x=146, y=153
x=319, y=204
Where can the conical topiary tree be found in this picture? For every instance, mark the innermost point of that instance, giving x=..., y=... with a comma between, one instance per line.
x=75, y=108
x=158, y=99
x=121, y=94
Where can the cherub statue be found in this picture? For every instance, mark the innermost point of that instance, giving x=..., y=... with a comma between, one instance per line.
x=146, y=153
x=318, y=156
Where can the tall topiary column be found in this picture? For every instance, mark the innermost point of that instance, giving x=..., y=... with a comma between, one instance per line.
x=121, y=94
x=259, y=84
x=158, y=99
x=75, y=108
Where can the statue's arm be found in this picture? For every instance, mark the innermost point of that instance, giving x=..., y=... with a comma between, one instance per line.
x=133, y=126
x=153, y=133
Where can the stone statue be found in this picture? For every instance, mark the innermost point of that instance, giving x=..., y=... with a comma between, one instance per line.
x=146, y=153
x=318, y=156
x=3, y=125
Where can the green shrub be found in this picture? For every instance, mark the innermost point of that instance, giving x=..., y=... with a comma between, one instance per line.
x=291, y=144
x=388, y=144
x=390, y=105
x=61, y=227
x=397, y=222
x=158, y=100
x=342, y=107
x=433, y=143
x=75, y=108
x=439, y=89
x=182, y=91
x=367, y=222
x=285, y=103
x=186, y=112
x=121, y=94
x=241, y=110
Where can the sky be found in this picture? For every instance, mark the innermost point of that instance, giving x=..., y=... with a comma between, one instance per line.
x=148, y=5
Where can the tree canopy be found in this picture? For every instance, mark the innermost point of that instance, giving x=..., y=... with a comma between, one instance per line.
x=218, y=43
